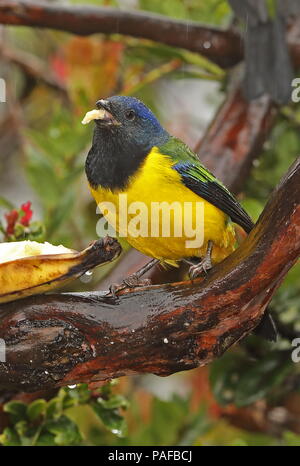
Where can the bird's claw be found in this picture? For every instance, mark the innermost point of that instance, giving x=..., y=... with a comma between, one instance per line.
x=132, y=281
x=204, y=266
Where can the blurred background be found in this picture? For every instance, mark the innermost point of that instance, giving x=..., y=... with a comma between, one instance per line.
x=250, y=396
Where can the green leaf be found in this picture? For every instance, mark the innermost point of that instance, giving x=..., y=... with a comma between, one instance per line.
x=46, y=439
x=213, y=11
x=114, y=402
x=36, y=408
x=9, y=438
x=79, y=395
x=235, y=378
x=224, y=376
x=175, y=8
x=65, y=431
x=54, y=408
x=25, y=433
x=16, y=409
x=199, y=424
x=148, y=51
x=265, y=374
x=112, y=420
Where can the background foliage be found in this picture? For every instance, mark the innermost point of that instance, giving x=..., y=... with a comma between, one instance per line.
x=248, y=397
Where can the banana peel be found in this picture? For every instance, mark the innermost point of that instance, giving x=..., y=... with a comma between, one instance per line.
x=39, y=273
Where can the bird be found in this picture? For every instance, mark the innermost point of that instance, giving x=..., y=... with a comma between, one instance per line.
x=132, y=154
x=269, y=68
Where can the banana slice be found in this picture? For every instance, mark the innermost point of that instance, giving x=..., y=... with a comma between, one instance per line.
x=21, y=249
x=93, y=115
x=28, y=268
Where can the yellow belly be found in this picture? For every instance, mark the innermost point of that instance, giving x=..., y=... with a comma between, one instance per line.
x=154, y=183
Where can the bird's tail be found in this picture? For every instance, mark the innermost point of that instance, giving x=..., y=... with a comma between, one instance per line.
x=267, y=328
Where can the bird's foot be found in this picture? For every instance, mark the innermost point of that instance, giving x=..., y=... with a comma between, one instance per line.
x=196, y=270
x=204, y=265
x=132, y=281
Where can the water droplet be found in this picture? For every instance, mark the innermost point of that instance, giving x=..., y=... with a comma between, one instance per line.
x=72, y=386
x=206, y=45
x=87, y=277
x=166, y=340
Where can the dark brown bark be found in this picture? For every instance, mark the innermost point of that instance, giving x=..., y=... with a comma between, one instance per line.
x=222, y=47
x=57, y=340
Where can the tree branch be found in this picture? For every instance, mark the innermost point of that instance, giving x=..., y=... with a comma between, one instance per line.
x=57, y=340
x=220, y=46
x=224, y=47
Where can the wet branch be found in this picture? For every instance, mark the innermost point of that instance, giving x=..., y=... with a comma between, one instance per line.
x=57, y=340
x=222, y=47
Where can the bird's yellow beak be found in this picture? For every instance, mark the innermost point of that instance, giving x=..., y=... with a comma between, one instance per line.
x=94, y=115
x=102, y=115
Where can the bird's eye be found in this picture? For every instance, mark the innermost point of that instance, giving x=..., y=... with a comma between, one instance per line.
x=130, y=115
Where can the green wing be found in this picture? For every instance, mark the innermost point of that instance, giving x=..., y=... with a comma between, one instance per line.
x=203, y=183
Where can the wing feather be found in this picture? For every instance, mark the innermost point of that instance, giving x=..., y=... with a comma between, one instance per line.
x=196, y=178
x=203, y=183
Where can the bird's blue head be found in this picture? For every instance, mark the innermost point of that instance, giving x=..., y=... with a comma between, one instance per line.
x=128, y=117
x=123, y=137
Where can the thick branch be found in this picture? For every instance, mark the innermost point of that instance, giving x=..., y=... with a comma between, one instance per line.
x=222, y=47
x=57, y=340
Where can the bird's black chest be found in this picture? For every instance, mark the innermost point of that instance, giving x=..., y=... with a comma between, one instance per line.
x=111, y=161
